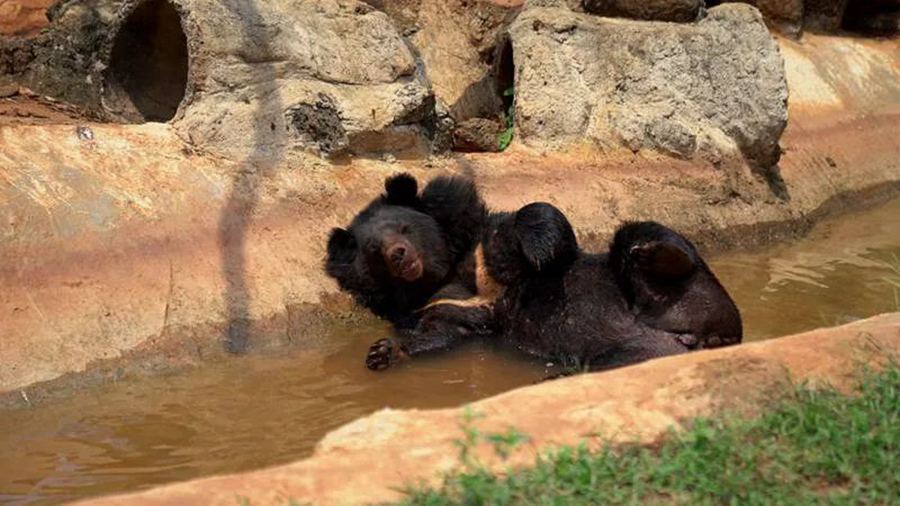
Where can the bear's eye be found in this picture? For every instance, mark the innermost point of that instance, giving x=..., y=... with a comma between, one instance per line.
x=404, y=229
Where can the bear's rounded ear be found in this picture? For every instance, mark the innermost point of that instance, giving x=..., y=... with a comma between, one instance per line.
x=341, y=246
x=401, y=190
x=545, y=236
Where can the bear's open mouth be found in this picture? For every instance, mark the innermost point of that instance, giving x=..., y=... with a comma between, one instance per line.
x=411, y=270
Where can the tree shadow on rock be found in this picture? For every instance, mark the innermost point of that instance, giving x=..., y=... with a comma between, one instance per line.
x=243, y=197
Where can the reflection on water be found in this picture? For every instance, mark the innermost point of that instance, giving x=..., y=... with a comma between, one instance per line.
x=244, y=413
x=256, y=411
x=840, y=272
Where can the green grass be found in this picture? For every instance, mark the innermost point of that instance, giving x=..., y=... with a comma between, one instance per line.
x=506, y=137
x=813, y=447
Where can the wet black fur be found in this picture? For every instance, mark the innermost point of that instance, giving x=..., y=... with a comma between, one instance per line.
x=669, y=287
x=606, y=310
x=444, y=222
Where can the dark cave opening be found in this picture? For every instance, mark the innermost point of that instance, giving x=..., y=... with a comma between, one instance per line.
x=148, y=68
x=877, y=17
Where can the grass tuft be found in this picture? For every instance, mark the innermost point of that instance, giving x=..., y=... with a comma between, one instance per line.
x=814, y=447
x=506, y=137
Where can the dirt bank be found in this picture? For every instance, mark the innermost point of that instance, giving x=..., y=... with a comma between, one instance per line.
x=390, y=449
x=123, y=248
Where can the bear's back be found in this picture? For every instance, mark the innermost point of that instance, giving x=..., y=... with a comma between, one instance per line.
x=581, y=318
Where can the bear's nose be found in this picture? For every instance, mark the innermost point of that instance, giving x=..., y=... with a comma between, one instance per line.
x=397, y=253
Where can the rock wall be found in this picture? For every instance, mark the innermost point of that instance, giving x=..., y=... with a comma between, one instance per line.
x=462, y=47
x=714, y=89
x=329, y=76
x=65, y=59
x=239, y=78
x=447, y=64
x=251, y=79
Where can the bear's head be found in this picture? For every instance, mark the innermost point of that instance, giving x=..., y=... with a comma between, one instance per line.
x=392, y=256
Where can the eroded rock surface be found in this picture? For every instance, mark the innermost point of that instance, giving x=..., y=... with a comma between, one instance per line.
x=460, y=44
x=258, y=68
x=405, y=13
x=477, y=134
x=714, y=89
x=233, y=75
x=65, y=59
x=463, y=51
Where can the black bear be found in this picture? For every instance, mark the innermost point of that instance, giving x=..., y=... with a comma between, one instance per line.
x=443, y=269
x=404, y=250
x=651, y=295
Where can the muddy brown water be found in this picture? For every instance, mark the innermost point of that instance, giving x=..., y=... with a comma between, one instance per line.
x=257, y=411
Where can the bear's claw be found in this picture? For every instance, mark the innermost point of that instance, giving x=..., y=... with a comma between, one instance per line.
x=381, y=355
x=689, y=340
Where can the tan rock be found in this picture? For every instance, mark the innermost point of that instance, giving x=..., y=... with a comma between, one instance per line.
x=715, y=89
x=328, y=76
x=460, y=44
x=23, y=17
x=477, y=134
x=238, y=78
x=405, y=13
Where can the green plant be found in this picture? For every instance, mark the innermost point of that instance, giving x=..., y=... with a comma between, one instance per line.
x=503, y=443
x=816, y=446
x=506, y=137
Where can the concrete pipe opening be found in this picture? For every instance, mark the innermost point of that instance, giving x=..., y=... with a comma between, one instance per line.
x=147, y=73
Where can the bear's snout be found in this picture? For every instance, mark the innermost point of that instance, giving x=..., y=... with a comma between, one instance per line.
x=397, y=253
x=403, y=260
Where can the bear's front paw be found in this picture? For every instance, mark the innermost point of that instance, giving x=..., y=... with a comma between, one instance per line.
x=689, y=340
x=381, y=354
x=719, y=341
